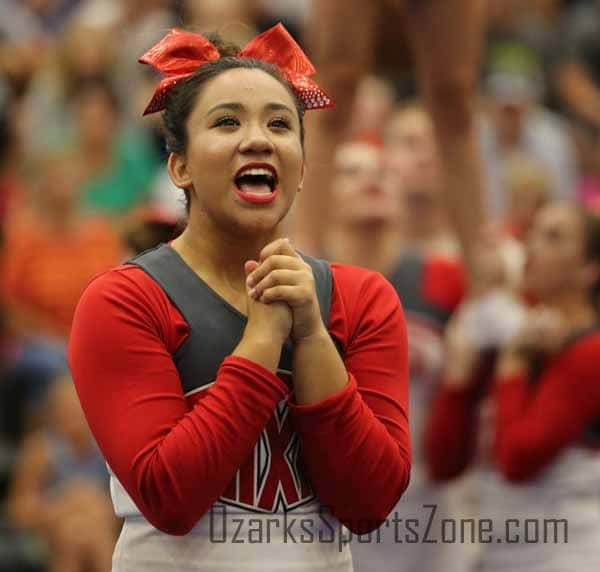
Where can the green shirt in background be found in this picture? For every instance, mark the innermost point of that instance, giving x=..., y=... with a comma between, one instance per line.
x=126, y=183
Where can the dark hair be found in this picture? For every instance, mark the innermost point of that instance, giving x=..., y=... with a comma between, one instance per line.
x=181, y=98
x=591, y=237
x=144, y=234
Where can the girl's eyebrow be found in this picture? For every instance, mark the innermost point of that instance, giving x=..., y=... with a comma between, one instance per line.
x=236, y=106
x=233, y=106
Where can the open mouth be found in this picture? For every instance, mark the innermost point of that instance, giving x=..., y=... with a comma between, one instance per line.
x=256, y=183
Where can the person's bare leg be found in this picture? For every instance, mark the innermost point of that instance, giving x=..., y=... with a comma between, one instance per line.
x=96, y=525
x=66, y=562
x=447, y=37
x=67, y=550
x=102, y=544
x=340, y=39
x=102, y=553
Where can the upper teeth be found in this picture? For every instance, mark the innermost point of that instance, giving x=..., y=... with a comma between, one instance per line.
x=255, y=171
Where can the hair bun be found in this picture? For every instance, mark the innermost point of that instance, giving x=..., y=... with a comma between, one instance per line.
x=226, y=49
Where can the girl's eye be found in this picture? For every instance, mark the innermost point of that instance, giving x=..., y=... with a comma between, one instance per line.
x=226, y=121
x=280, y=123
x=554, y=235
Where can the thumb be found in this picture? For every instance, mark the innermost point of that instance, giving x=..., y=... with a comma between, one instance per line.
x=250, y=266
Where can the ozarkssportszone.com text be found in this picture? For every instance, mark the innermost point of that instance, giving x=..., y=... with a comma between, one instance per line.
x=291, y=527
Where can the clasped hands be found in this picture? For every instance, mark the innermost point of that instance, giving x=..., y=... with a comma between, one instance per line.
x=281, y=293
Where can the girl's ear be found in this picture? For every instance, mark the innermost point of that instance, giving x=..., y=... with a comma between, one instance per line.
x=303, y=172
x=177, y=168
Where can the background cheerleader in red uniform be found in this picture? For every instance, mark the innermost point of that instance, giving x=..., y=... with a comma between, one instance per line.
x=534, y=421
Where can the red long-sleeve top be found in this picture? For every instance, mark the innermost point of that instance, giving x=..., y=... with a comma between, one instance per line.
x=176, y=455
x=533, y=424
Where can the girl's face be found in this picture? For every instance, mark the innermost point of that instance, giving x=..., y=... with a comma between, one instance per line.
x=359, y=190
x=411, y=158
x=556, y=261
x=244, y=161
x=97, y=118
x=526, y=198
x=60, y=184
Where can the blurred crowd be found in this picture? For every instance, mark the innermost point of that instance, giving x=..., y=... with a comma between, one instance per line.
x=83, y=187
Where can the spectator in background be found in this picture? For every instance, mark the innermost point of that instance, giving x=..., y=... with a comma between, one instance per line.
x=118, y=165
x=532, y=22
x=84, y=51
x=364, y=228
x=514, y=122
x=21, y=45
x=47, y=259
x=60, y=488
x=140, y=24
x=413, y=168
x=50, y=15
x=373, y=106
x=528, y=189
x=577, y=73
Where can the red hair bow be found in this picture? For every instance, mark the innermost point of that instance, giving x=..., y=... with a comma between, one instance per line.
x=179, y=54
